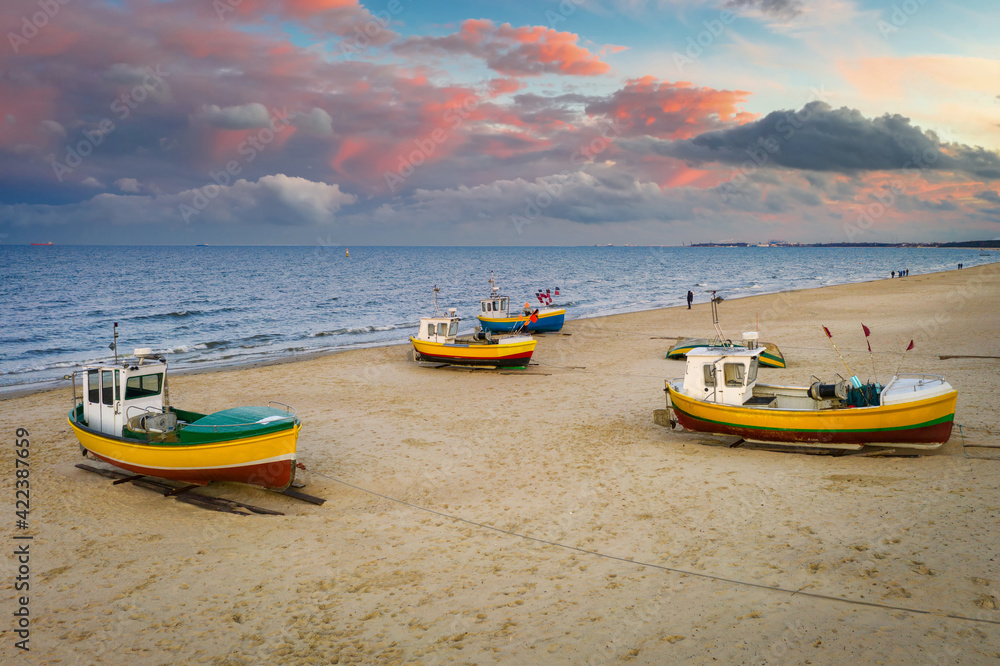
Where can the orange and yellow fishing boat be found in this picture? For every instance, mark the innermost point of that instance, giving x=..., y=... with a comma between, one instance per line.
x=122, y=418
x=719, y=394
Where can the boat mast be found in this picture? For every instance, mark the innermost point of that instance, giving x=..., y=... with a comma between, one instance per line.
x=715, y=316
x=114, y=343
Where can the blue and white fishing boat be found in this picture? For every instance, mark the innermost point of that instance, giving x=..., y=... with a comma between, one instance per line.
x=496, y=317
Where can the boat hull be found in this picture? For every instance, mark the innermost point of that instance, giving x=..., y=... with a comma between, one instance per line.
x=500, y=355
x=771, y=357
x=548, y=321
x=923, y=423
x=267, y=460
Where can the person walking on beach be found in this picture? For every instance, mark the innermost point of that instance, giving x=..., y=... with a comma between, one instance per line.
x=690, y=298
x=894, y=274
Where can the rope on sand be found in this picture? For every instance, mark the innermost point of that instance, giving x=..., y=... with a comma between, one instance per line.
x=721, y=579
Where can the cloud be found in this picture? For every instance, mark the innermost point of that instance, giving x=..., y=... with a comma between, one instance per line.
x=246, y=116
x=782, y=9
x=671, y=110
x=317, y=121
x=276, y=200
x=130, y=185
x=822, y=138
x=90, y=181
x=523, y=51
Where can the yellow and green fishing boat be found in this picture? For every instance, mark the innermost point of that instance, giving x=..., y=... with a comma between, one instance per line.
x=123, y=418
x=719, y=394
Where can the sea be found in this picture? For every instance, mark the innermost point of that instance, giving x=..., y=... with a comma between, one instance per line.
x=209, y=306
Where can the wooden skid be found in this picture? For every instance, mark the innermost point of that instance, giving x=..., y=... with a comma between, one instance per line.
x=182, y=493
x=312, y=499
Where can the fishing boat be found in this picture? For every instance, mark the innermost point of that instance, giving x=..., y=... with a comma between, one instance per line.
x=770, y=356
x=123, y=418
x=719, y=394
x=495, y=315
x=437, y=341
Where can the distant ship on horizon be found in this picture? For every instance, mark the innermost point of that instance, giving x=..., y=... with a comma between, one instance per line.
x=49, y=243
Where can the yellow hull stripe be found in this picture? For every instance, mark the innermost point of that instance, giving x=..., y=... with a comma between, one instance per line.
x=473, y=351
x=232, y=453
x=888, y=417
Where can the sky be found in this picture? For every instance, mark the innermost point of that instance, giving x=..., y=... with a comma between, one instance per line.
x=569, y=122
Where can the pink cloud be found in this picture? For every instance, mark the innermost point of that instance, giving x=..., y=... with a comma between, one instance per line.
x=672, y=110
x=522, y=51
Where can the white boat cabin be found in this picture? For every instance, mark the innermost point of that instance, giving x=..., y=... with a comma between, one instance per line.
x=439, y=329
x=496, y=307
x=112, y=395
x=725, y=375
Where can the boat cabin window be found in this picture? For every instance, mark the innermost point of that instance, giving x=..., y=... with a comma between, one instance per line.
x=93, y=386
x=734, y=374
x=453, y=328
x=709, y=374
x=496, y=306
x=442, y=329
x=430, y=330
x=143, y=386
x=107, y=387
x=753, y=371
x=486, y=306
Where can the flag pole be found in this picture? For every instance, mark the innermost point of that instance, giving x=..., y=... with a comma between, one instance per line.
x=867, y=333
x=902, y=356
x=854, y=380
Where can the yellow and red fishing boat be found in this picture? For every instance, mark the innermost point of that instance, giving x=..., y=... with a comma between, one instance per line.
x=437, y=341
x=719, y=394
x=122, y=417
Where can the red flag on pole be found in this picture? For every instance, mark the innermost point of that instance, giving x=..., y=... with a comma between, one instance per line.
x=867, y=330
x=911, y=346
x=869, y=346
x=828, y=332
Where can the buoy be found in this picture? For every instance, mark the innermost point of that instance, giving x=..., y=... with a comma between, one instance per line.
x=348, y=254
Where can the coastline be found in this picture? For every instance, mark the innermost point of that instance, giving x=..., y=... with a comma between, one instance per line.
x=16, y=391
x=564, y=452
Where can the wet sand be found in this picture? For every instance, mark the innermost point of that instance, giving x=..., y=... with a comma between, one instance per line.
x=565, y=452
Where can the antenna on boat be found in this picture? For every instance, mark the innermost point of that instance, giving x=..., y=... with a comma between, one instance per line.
x=114, y=343
x=715, y=315
x=854, y=379
x=437, y=312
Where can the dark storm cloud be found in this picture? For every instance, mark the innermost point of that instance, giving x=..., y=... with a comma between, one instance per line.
x=821, y=138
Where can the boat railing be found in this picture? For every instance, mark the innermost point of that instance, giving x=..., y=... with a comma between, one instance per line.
x=77, y=399
x=288, y=408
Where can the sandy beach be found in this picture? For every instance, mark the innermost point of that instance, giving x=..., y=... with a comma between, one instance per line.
x=565, y=452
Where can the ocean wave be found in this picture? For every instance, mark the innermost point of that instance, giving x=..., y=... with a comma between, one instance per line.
x=358, y=330
x=180, y=314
